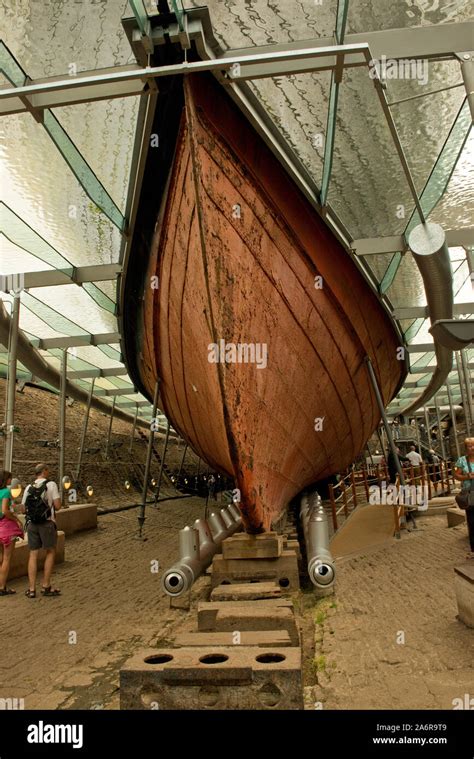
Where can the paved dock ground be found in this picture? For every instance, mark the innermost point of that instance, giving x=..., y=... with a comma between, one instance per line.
x=67, y=652
x=390, y=639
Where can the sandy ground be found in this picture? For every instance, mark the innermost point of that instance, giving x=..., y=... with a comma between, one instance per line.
x=67, y=652
x=390, y=639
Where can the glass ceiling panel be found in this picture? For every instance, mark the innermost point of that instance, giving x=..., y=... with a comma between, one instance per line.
x=64, y=306
x=298, y=105
x=244, y=23
x=104, y=134
x=366, y=166
x=48, y=38
x=456, y=209
x=52, y=202
x=367, y=15
x=425, y=122
x=408, y=289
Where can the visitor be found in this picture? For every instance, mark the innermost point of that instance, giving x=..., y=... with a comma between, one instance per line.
x=392, y=466
x=464, y=471
x=11, y=530
x=41, y=499
x=433, y=465
x=414, y=457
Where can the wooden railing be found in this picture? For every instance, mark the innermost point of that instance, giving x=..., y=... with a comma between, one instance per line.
x=346, y=495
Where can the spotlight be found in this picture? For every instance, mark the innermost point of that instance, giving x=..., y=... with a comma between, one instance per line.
x=127, y=485
x=90, y=491
x=15, y=488
x=67, y=482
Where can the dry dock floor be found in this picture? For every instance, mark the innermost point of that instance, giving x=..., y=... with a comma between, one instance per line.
x=388, y=639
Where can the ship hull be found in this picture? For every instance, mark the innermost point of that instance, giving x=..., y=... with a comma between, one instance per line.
x=258, y=323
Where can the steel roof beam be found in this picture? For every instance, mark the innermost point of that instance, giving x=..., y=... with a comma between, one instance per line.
x=104, y=89
x=116, y=371
x=428, y=369
x=417, y=312
x=80, y=274
x=370, y=246
x=76, y=341
x=441, y=41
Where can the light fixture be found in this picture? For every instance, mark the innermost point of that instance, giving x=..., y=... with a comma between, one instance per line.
x=67, y=482
x=90, y=491
x=15, y=488
x=127, y=485
x=154, y=483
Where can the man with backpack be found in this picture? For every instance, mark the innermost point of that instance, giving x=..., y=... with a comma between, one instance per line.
x=40, y=500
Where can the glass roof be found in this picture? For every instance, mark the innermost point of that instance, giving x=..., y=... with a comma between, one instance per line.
x=64, y=182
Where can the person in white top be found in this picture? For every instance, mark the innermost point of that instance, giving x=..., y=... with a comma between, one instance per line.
x=41, y=529
x=414, y=456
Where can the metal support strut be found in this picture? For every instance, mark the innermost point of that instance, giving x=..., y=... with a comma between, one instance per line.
x=84, y=428
x=141, y=516
x=11, y=386
x=62, y=421
x=388, y=430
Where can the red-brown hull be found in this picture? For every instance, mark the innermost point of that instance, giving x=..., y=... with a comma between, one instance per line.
x=237, y=249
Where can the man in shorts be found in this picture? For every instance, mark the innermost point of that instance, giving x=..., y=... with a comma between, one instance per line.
x=43, y=535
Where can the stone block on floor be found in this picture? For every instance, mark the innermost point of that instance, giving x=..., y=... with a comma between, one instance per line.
x=283, y=571
x=464, y=587
x=249, y=591
x=77, y=517
x=455, y=516
x=261, y=638
x=234, y=678
x=252, y=615
x=19, y=562
x=267, y=545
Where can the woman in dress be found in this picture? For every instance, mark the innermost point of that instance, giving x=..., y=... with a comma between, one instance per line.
x=10, y=529
x=464, y=472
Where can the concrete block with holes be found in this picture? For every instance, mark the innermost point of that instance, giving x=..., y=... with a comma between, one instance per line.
x=235, y=677
x=282, y=570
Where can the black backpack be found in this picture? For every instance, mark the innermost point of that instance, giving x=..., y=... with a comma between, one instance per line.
x=36, y=509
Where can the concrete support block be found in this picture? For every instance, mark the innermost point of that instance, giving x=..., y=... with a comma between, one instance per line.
x=283, y=571
x=267, y=545
x=260, y=638
x=234, y=678
x=252, y=615
x=78, y=517
x=249, y=591
x=19, y=563
x=455, y=516
x=464, y=587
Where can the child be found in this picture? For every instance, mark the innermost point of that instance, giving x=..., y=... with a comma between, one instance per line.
x=10, y=530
